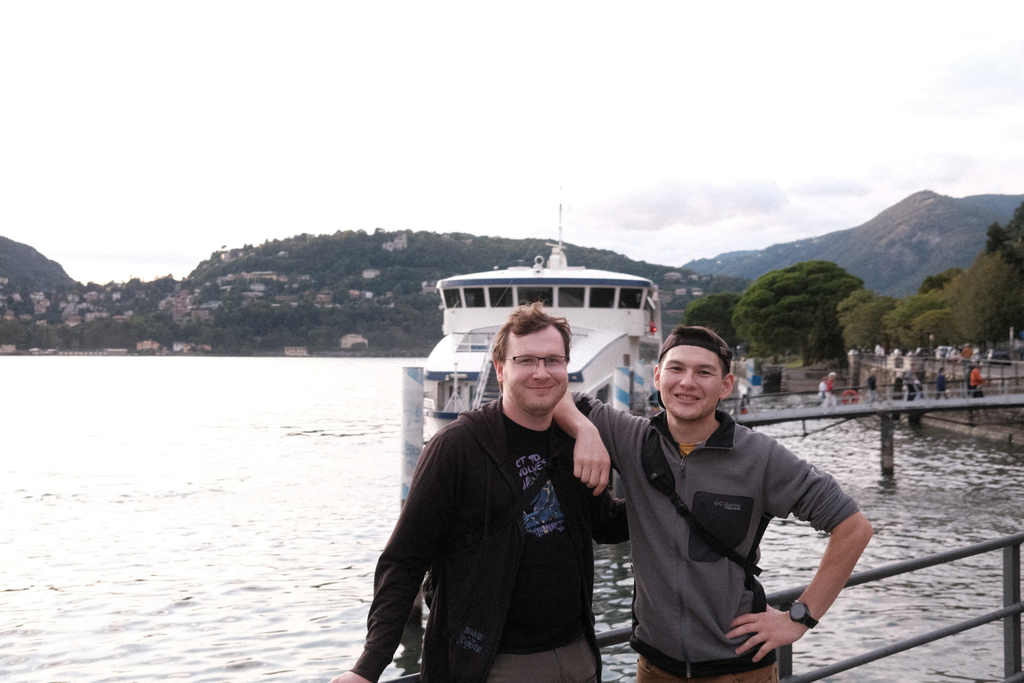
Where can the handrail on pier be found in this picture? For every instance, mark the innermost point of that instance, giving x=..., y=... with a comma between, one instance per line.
x=1010, y=613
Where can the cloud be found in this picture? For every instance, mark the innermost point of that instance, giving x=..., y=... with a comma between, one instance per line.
x=85, y=264
x=977, y=85
x=674, y=203
x=927, y=172
x=830, y=187
x=989, y=80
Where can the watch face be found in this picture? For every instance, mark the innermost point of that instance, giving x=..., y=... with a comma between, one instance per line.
x=798, y=612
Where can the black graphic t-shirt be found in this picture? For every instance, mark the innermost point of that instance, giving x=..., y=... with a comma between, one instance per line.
x=545, y=608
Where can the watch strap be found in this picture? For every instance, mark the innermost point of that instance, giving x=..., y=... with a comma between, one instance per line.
x=807, y=620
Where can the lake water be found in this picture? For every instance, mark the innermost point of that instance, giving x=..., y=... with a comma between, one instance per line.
x=219, y=519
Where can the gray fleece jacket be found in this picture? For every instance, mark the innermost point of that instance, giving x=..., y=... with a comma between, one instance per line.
x=686, y=594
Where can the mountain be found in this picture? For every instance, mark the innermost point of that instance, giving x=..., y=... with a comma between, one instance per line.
x=922, y=235
x=26, y=267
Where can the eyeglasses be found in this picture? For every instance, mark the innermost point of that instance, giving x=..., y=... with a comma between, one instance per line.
x=533, y=362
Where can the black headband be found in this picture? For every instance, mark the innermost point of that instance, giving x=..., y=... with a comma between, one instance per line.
x=720, y=349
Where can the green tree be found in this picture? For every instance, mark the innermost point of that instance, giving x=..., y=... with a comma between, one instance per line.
x=860, y=315
x=715, y=312
x=794, y=309
x=1008, y=241
x=12, y=332
x=988, y=299
x=939, y=281
x=916, y=317
x=935, y=326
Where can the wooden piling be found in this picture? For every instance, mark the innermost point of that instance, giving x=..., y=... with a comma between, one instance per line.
x=887, y=445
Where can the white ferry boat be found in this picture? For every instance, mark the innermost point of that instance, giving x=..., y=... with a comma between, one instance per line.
x=616, y=334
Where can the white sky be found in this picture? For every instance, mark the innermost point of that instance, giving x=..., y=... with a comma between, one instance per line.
x=138, y=137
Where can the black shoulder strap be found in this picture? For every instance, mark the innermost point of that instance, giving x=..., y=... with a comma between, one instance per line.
x=529, y=493
x=660, y=477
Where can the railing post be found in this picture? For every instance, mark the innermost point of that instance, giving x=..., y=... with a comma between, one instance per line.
x=1011, y=623
x=784, y=655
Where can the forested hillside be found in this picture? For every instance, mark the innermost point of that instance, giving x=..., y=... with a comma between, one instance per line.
x=304, y=291
x=24, y=265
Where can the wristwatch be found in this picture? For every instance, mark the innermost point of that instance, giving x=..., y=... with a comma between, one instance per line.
x=801, y=615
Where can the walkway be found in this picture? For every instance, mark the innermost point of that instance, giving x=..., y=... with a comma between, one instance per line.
x=843, y=411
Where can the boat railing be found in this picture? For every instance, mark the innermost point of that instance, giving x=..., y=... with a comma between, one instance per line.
x=486, y=367
x=1010, y=613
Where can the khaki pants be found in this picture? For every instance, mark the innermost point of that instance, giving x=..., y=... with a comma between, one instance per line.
x=572, y=663
x=648, y=673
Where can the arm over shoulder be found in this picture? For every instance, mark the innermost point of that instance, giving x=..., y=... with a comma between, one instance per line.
x=620, y=431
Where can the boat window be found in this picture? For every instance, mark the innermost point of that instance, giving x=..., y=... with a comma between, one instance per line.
x=475, y=297
x=501, y=297
x=452, y=298
x=602, y=297
x=602, y=394
x=527, y=295
x=570, y=297
x=649, y=352
x=630, y=297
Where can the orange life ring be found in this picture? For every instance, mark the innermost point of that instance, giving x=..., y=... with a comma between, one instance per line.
x=850, y=396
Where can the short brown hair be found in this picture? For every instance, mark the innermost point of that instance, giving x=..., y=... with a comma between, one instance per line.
x=701, y=337
x=527, y=320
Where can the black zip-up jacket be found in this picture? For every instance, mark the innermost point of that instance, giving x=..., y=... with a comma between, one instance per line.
x=464, y=482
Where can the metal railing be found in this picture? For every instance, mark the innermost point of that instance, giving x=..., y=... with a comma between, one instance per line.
x=887, y=393
x=1010, y=613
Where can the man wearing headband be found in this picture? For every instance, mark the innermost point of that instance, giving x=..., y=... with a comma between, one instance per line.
x=699, y=610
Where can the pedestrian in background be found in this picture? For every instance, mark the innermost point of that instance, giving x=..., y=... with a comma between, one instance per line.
x=976, y=382
x=872, y=383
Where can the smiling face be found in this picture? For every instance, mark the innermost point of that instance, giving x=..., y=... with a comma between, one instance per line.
x=530, y=395
x=691, y=384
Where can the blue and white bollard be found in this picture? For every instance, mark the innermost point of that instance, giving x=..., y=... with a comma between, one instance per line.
x=412, y=424
x=620, y=389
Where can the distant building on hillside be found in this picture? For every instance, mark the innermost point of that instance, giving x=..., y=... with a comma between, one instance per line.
x=354, y=340
x=295, y=351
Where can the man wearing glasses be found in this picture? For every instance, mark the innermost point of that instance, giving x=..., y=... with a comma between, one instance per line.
x=502, y=516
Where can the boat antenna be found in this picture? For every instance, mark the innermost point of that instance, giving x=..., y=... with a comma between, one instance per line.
x=557, y=259
x=559, y=225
